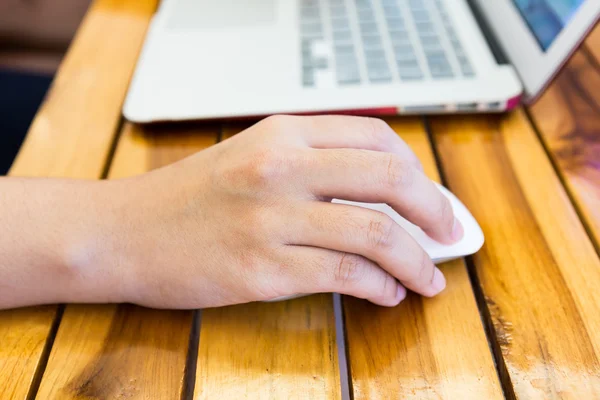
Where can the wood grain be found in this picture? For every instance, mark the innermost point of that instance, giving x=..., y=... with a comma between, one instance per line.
x=72, y=133
x=425, y=348
x=123, y=351
x=283, y=350
x=71, y=136
x=592, y=43
x=23, y=337
x=568, y=119
x=538, y=268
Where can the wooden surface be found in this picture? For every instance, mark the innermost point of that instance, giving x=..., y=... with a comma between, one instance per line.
x=71, y=136
x=425, y=348
x=592, y=43
x=568, y=119
x=73, y=132
x=521, y=319
x=274, y=351
x=538, y=269
x=146, y=349
x=269, y=351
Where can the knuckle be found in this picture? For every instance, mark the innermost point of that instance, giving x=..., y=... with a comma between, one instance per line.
x=446, y=213
x=381, y=233
x=349, y=270
x=423, y=271
x=397, y=174
x=419, y=270
x=389, y=283
x=377, y=129
x=259, y=170
x=265, y=167
x=388, y=288
x=275, y=122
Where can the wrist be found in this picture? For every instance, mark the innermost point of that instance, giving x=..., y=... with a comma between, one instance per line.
x=97, y=246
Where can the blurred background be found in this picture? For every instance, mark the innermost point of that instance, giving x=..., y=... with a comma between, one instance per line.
x=34, y=36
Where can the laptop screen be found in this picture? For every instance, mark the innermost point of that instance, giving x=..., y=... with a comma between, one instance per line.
x=547, y=18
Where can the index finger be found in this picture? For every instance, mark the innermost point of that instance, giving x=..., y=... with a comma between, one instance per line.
x=372, y=177
x=336, y=132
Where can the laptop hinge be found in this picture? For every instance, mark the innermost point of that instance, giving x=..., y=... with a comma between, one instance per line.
x=497, y=50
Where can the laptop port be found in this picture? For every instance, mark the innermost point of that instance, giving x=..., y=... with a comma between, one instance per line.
x=425, y=109
x=467, y=107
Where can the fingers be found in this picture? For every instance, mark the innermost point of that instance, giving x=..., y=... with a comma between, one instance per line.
x=330, y=132
x=374, y=177
x=332, y=271
x=373, y=235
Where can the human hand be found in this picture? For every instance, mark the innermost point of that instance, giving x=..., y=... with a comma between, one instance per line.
x=250, y=219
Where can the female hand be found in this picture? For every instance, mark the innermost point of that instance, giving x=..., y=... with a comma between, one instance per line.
x=251, y=218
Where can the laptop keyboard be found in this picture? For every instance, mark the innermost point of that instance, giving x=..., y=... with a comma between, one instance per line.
x=380, y=41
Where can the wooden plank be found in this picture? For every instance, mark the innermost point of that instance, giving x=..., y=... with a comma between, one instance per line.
x=538, y=268
x=126, y=351
x=568, y=119
x=592, y=43
x=23, y=336
x=71, y=136
x=424, y=348
x=269, y=350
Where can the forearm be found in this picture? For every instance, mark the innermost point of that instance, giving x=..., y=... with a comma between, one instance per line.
x=57, y=240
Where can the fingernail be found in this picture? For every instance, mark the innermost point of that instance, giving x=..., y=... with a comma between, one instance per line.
x=401, y=293
x=439, y=281
x=457, y=231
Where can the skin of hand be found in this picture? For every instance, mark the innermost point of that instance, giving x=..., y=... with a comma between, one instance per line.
x=249, y=219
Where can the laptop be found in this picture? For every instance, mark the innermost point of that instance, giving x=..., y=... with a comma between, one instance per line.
x=206, y=59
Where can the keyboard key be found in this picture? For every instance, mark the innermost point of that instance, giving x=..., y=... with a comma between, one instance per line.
x=345, y=48
x=363, y=4
x=340, y=58
x=424, y=27
x=310, y=13
x=392, y=12
x=366, y=15
x=311, y=29
x=395, y=24
x=369, y=28
x=436, y=48
x=410, y=74
x=430, y=40
x=308, y=77
x=347, y=75
x=375, y=54
x=437, y=59
x=337, y=11
x=379, y=73
x=340, y=24
x=421, y=16
x=371, y=41
x=320, y=63
x=347, y=60
x=441, y=70
x=400, y=38
x=408, y=63
x=467, y=70
x=342, y=36
x=403, y=50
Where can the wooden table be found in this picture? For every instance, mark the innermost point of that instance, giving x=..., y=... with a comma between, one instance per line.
x=521, y=319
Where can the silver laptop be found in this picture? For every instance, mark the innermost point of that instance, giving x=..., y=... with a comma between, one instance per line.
x=206, y=59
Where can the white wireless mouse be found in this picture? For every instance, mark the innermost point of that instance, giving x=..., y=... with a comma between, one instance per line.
x=470, y=244
x=439, y=253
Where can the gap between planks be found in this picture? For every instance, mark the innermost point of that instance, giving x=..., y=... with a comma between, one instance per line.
x=484, y=312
